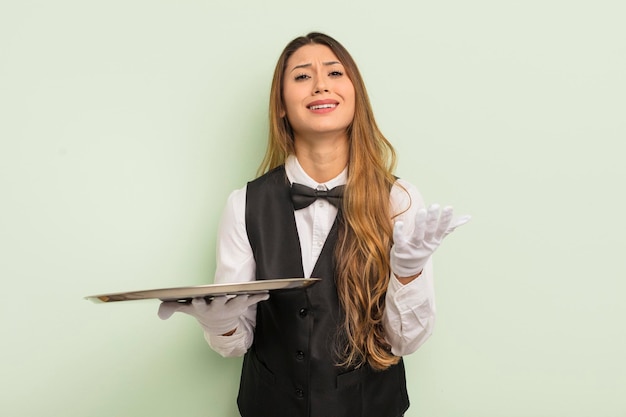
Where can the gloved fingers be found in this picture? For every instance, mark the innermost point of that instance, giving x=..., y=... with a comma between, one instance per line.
x=167, y=308
x=432, y=220
x=461, y=221
x=242, y=302
x=420, y=227
x=257, y=298
x=201, y=306
x=398, y=236
x=457, y=223
x=444, y=223
x=198, y=302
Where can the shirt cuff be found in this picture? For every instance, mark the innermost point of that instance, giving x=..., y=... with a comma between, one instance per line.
x=228, y=346
x=416, y=291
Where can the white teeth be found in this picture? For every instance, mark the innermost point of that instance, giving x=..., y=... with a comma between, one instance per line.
x=322, y=106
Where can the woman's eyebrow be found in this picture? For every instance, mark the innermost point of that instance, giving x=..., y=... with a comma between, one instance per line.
x=328, y=63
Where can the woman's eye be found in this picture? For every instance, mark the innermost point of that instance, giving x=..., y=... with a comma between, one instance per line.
x=336, y=74
x=301, y=77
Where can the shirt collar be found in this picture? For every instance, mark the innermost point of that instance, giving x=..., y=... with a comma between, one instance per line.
x=295, y=173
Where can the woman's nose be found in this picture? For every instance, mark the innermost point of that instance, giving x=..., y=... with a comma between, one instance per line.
x=320, y=86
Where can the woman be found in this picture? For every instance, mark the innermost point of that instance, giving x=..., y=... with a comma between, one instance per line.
x=335, y=348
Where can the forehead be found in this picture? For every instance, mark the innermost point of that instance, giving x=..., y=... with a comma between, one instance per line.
x=310, y=54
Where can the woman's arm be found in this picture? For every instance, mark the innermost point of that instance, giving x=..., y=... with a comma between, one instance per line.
x=409, y=316
x=235, y=263
x=410, y=312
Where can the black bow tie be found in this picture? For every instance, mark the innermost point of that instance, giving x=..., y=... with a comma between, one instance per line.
x=303, y=196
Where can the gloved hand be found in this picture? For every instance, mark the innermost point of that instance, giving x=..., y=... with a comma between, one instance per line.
x=409, y=254
x=219, y=316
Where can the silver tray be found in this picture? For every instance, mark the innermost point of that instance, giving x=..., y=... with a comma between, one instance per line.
x=185, y=294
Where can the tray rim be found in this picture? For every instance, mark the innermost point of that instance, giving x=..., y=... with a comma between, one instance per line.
x=186, y=293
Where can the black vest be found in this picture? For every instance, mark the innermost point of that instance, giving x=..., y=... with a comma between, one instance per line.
x=290, y=369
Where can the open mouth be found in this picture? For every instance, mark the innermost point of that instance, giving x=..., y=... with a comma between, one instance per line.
x=323, y=106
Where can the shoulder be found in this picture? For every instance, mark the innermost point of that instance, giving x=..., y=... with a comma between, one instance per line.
x=237, y=197
x=405, y=197
x=275, y=175
x=235, y=207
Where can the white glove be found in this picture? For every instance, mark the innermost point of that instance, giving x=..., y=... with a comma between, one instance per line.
x=410, y=254
x=218, y=316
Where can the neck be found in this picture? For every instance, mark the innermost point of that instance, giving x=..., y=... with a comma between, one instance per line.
x=323, y=158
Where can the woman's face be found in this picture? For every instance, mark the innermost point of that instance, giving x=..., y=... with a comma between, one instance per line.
x=318, y=95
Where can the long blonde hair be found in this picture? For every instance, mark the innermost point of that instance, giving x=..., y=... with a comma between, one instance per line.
x=362, y=251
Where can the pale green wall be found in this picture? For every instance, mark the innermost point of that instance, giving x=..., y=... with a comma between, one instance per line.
x=125, y=124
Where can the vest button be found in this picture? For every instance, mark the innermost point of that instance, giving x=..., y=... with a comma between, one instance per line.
x=299, y=355
x=303, y=312
x=299, y=393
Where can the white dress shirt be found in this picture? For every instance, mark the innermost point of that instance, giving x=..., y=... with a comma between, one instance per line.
x=409, y=315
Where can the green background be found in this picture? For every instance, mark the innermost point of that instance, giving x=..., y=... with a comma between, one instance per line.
x=124, y=125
